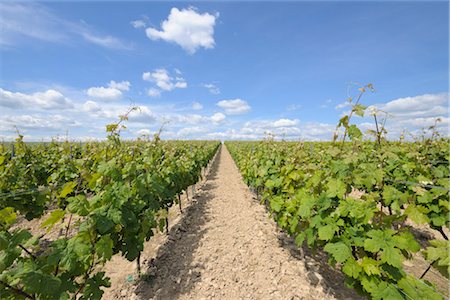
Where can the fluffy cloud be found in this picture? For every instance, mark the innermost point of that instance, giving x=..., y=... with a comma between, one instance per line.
x=197, y=106
x=187, y=28
x=162, y=79
x=212, y=88
x=189, y=131
x=424, y=104
x=290, y=129
x=234, y=106
x=414, y=113
x=143, y=132
x=50, y=99
x=217, y=117
x=123, y=85
x=37, y=122
x=91, y=106
x=231, y=134
x=112, y=92
x=285, y=123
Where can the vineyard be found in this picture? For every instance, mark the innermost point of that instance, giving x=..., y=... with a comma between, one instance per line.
x=354, y=201
x=362, y=203
x=106, y=198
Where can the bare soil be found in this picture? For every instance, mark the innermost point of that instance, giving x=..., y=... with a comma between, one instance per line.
x=225, y=246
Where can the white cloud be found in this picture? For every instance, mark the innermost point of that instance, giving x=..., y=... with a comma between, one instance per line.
x=422, y=103
x=22, y=21
x=162, y=79
x=106, y=41
x=197, y=106
x=138, y=23
x=104, y=93
x=289, y=129
x=123, y=85
x=218, y=117
x=234, y=106
x=91, y=106
x=143, y=132
x=50, y=99
x=342, y=105
x=152, y=92
x=212, y=88
x=37, y=122
x=415, y=113
x=285, y=123
x=142, y=115
x=187, y=131
x=231, y=134
x=187, y=28
x=112, y=92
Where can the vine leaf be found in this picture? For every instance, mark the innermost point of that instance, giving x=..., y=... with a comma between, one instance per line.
x=340, y=251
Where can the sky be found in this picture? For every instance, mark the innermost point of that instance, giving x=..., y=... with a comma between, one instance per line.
x=221, y=70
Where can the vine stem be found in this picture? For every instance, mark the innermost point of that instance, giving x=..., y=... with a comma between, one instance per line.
x=17, y=291
x=167, y=224
x=27, y=251
x=443, y=233
x=179, y=203
x=138, y=262
x=350, y=116
x=428, y=269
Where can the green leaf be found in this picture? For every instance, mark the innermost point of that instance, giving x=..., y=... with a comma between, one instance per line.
x=19, y=237
x=392, y=256
x=352, y=268
x=7, y=216
x=54, y=217
x=305, y=207
x=92, y=289
x=299, y=239
x=359, y=109
x=417, y=214
x=354, y=133
x=44, y=285
x=438, y=252
x=78, y=205
x=67, y=189
x=417, y=289
x=386, y=291
x=8, y=257
x=327, y=232
x=340, y=251
x=370, y=266
x=103, y=224
x=406, y=241
x=276, y=203
x=336, y=188
x=104, y=247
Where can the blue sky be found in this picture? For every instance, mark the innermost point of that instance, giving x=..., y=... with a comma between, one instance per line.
x=220, y=70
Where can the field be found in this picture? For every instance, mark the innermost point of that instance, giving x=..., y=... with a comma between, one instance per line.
x=377, y=212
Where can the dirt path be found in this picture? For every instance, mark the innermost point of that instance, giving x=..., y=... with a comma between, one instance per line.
x=225, y=246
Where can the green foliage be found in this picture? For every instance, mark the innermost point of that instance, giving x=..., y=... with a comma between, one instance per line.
x=113, y=192
x=351, y=200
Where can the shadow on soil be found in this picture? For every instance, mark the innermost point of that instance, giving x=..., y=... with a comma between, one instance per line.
x=318, y=269
x=173, y=272
x=316, y=265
